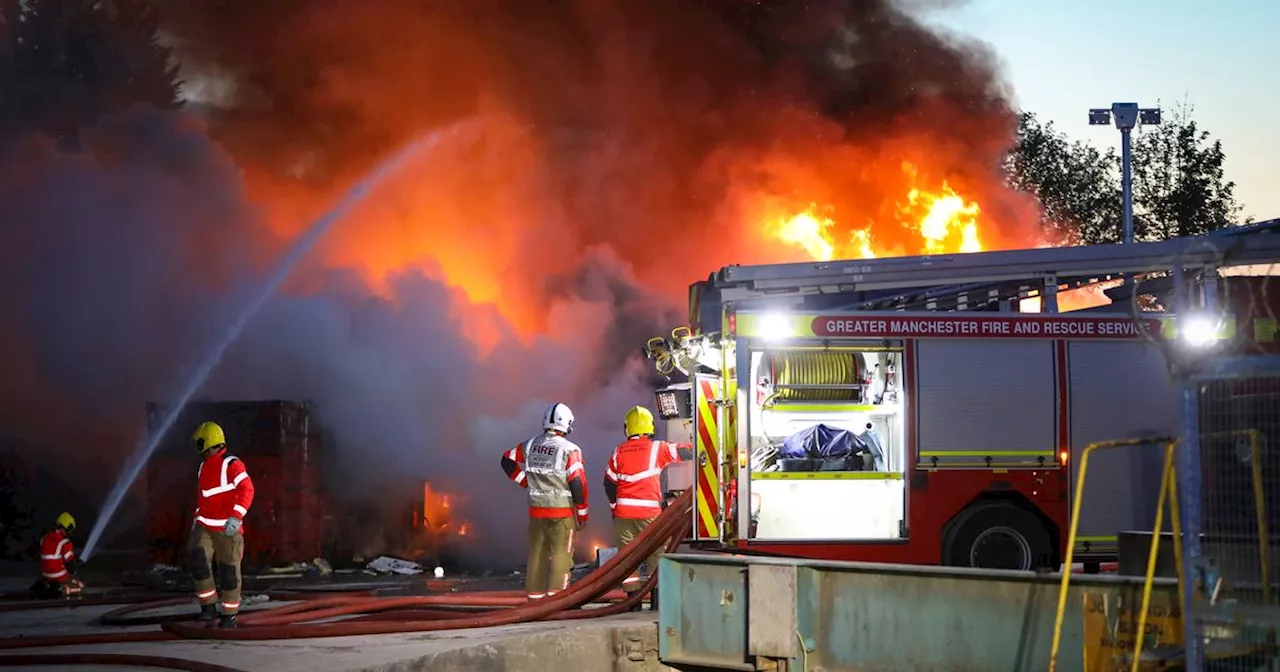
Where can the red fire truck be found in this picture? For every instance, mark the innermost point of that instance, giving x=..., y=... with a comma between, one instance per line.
x=910, y=410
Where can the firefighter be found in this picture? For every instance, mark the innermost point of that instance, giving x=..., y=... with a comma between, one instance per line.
x=224, y=497
x=551, y=467
x=58, y=559
x=632, y=482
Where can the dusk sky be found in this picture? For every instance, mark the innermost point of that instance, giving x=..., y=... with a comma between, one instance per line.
x=1063, y=58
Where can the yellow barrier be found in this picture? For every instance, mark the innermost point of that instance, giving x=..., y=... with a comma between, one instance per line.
x=1060, y=614
x=1168, y=492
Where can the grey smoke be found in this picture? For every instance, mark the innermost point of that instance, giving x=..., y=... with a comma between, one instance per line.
x=125, y=260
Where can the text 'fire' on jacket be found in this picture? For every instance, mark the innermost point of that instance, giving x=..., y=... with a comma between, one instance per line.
x=551, y=467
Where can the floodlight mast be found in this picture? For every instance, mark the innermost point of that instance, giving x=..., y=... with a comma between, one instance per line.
x=1127, y=116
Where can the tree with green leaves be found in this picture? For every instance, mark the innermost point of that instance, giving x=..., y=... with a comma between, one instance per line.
x=1178, y=179
x=1077, y=186
x=1179, y=185
x=68, y=62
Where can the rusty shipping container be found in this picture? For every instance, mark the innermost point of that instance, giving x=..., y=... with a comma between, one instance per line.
x=281, y=446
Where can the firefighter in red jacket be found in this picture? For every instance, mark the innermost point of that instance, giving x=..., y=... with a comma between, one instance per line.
x=224, y=497
x=551, y=467
x=632, y=482
x=58, y=559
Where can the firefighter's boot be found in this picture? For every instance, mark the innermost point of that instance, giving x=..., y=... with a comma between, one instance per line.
x=208, y=614
x=228, y=622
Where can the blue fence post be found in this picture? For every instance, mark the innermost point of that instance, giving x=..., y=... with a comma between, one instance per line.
x=1188, y=467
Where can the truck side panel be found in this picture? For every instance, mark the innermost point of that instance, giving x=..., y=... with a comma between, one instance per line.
x=1119, y=390
x=985, y=398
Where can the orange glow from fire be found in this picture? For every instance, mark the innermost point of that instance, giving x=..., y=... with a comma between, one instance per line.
x=941, y=221
x=437, y=513
x=1076, y=299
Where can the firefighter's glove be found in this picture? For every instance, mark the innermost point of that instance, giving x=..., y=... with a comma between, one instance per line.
x=233, y=526
x=582, y=522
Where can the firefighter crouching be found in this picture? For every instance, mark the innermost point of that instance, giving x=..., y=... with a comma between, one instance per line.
x=225, y=495
x=58, y=560
x=551, y=467
x=632, y=482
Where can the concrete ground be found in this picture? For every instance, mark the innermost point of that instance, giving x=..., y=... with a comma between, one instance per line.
x=626, y=643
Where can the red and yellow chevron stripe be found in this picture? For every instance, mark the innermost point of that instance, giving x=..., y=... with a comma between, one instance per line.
x=708, y=464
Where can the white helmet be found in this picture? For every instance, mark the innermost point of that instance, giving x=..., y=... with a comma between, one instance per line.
x=559, y=418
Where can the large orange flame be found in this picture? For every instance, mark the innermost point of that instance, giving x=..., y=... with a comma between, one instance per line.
x=943, y=222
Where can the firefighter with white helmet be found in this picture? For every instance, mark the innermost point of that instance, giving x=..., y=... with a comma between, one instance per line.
x=632, y=482
x=550, y=466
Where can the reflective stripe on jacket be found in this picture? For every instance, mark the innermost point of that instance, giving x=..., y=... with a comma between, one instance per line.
x=636, y=468
x=55, y=552
x=226, y=491
x=546, y=464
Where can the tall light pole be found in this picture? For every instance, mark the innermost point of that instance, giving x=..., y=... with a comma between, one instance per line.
x=1127, y=116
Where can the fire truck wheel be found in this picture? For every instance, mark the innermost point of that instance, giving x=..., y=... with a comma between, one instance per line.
x=997, y=535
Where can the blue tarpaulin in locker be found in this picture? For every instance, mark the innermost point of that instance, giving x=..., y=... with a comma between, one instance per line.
x=820, y=441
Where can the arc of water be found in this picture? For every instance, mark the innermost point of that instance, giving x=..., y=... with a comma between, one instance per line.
x=300, y=248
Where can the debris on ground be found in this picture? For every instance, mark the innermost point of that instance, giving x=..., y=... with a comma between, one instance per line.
x=385, y=564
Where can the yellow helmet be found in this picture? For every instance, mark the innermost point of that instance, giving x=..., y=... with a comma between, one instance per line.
x=208, y=437
x=66, y=522
x=638, y=421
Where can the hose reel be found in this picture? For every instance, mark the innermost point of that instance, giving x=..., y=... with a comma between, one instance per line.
x=814, y=376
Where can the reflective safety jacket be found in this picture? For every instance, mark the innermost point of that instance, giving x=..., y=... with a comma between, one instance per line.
x=226, y=491
x=632, y=481
x=55, y=552
x=551, y=467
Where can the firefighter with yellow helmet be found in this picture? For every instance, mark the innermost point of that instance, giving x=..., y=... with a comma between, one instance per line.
x=224, y=495
x=58, y=559
x=632, y=482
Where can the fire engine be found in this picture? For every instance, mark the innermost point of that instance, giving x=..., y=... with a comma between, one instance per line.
x=915, y=410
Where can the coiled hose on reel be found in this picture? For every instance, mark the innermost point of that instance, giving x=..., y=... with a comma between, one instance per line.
x=814, y=376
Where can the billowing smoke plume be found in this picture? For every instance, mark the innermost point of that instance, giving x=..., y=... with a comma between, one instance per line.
x=650, y=126
x=620, y=150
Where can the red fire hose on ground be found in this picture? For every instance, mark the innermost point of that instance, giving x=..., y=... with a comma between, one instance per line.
x=377, y=615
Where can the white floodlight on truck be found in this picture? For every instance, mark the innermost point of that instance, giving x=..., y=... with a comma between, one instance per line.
x=774, y=326
x=1200, y=330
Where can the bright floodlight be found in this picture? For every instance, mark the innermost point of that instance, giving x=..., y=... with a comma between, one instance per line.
x=1099, y=117
x=1199, y=330
x=774, y=326
x=439, y=573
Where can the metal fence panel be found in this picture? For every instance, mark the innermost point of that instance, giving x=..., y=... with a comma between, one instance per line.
x=1232, y=455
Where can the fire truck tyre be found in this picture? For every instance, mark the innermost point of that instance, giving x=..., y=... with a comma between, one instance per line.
x=997, y=536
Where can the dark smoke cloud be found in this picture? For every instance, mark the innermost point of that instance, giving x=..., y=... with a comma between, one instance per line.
x=651, y=117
